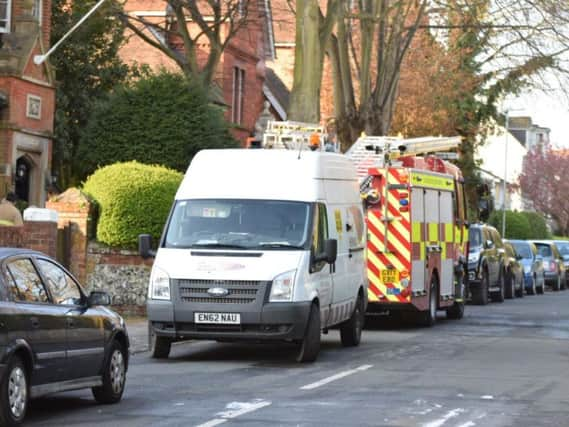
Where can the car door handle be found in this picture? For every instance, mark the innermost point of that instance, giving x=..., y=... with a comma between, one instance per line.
x=35, y=322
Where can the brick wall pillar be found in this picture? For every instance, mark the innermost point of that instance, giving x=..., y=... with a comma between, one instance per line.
x=37, y=235
x=74, y=209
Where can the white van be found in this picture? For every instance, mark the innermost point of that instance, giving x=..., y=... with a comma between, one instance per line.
x=263, y=245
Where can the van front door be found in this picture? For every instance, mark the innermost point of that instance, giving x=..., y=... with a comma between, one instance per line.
x=321, y=271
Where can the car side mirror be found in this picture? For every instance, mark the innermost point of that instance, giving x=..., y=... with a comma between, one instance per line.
x=489, y=244
x=145, y=246
x=98, y=298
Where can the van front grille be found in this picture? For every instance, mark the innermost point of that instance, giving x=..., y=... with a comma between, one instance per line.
x=238, y=291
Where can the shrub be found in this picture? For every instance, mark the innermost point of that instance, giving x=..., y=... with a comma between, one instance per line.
x=160, y=119
x=132, y=198
x=517, y=224
x=538, y=226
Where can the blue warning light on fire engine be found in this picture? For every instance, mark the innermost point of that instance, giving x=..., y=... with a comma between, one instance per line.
x=404, y=202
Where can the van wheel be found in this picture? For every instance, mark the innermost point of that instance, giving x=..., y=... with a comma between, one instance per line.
x=509, y=285
x=480, y=293
x=14, y=393
x=114, y=376
x=499, y=296
x=310, y=344
x=351, y=330
x=159, y=346
x=428, y=317
x=456, y=311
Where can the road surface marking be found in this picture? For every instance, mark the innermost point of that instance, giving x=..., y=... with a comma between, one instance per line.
x=451, y=414
x=468, y=424
x=335, y=377
x=234, y=410
x=487, y=397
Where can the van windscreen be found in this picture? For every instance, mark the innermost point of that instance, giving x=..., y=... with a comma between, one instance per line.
x=240, y=224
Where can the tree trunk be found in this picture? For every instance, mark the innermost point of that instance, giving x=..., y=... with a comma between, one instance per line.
x=308, y=64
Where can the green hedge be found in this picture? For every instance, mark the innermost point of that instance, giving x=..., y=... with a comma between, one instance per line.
x=521, y=225
x=132, y=198
x=517, y=224
x=161, y=119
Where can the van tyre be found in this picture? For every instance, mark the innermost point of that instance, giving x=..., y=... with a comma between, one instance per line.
x=351, y=330
x=310, y=344
x=499, y=295
x=159, y=346
x=114, y=376
x=428, y=317
x=480, y=293
x=509, y=286
x=14, y=393
x=456, y=311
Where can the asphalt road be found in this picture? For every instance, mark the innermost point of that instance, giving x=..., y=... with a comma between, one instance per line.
x=502, y=365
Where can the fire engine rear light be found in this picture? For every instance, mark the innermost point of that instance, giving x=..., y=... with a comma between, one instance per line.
x=403, y=195
x=404, y=209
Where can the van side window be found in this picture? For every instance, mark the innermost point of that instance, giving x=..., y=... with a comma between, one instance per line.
x=320, y=232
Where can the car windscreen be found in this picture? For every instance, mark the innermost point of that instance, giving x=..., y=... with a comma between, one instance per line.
x=474, y=239
x=523, y=250
x=239, y=224
x=544, y=250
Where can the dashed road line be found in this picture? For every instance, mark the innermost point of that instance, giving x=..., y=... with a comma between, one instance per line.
x=335, y=377
x=234, y=410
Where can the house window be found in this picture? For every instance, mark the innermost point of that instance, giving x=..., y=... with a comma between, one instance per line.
x=37, y=10
x=33, y=109
x=5, y=14
x=238, y=88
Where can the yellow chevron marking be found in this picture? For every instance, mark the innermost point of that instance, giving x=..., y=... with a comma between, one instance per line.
x=380, y=286
x=443, y=251
x=371, y=297
x=423, y=255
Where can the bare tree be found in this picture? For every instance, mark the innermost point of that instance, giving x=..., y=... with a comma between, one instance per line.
x=192, y=30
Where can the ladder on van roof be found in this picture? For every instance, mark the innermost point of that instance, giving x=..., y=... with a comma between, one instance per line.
x=292, y=135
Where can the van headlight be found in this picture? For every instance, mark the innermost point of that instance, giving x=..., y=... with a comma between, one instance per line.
x=282, y=287
x=159, y=284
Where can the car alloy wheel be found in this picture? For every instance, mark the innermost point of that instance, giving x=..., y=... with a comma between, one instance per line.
x=17, y=392
x=117, y=371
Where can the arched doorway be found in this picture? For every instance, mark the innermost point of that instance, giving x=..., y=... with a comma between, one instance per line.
x=23, y=177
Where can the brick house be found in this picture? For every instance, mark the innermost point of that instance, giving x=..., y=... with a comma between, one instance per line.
x=241, y=73
x=27, y=100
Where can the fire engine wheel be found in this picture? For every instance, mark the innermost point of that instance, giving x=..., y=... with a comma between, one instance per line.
x=310, y=344
x=480, y=293
x=509, y=289
x=499, y=296
x=428, y=317
x=351, y=330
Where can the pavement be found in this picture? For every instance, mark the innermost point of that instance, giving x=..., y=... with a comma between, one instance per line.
x=137, y=328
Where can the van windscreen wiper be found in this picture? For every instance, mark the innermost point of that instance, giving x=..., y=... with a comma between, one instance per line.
x=284, y=245
x=219, y=246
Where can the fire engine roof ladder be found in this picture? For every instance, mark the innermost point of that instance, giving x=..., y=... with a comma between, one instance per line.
x=378, y=151
x=292, y=135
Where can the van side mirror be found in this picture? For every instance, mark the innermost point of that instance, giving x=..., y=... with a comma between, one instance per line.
x=145, y=246
x=98, y=298
x=330, y=252
x=489, y=244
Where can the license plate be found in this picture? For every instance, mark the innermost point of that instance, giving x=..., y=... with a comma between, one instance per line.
x=390, y=276
x=219, y=318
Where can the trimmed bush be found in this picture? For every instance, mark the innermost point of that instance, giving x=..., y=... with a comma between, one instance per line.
x=161, y=119
x=517, y=224
x=132, y=198
x=538, y=226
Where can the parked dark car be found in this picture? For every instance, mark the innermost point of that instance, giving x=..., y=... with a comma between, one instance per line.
x=485, y=264
x=53, y=337
x=563, y=247
x=514, y=278
x=534, y=274
x=553, y=265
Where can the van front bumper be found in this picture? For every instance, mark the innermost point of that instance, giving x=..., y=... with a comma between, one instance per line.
x=275, y=322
